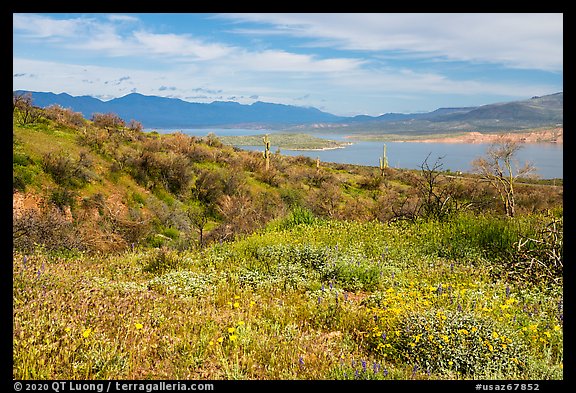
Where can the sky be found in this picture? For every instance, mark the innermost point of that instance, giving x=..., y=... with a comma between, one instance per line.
x=344, y=64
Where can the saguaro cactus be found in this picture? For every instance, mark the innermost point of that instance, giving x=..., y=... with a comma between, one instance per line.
x=383, y=161
x=266, y=151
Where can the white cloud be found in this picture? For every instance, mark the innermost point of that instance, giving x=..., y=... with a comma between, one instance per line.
x=180, y=46
x=516, y=40
x=37, y=26
x=114, y=47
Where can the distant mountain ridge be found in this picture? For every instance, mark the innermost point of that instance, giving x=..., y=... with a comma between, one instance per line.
x=162, y=112
x=153, y=111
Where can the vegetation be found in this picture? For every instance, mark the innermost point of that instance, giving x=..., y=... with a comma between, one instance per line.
x=146, y=256
x=284, y=141
x=498, y=170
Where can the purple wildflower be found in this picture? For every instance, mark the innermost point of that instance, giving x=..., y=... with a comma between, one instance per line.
x=301, y=361
x=364, y=365
x=507, y=291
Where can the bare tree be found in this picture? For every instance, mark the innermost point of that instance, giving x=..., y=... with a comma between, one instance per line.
x=435, y=190
x=27, y=112
x=498, y=169
x=198, y=216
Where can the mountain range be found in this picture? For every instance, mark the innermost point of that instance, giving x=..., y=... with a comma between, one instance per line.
x=162, y=112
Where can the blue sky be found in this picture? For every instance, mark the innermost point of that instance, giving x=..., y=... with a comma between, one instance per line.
x=345, y=64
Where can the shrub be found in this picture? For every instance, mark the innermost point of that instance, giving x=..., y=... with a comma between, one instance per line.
x=161, y=260
x=62, y=197
x=64, y=116
x=184, y=283
x=298, y=216
x=353, y=273
x=107, y=120
x=459, y=342
x=67, y=172
x=46, y=227
x=538, y=258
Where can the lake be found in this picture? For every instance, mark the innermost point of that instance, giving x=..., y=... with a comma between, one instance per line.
x=546, y=157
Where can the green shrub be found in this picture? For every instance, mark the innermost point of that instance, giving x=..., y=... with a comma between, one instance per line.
x=183, y=283
x=459, y=342
x=353, y=273
x=22, y=176
x=161, y=260
x=298, y=216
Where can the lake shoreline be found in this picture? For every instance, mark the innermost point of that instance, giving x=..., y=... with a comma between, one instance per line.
x=554, y=136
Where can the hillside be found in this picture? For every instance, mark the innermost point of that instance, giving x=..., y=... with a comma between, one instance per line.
x=139, y=255
x=160, y=112
x=537, y=112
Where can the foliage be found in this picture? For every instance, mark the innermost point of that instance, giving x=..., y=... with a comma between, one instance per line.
x=300, y=273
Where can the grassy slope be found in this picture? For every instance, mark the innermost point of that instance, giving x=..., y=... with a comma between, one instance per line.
x=311, y=301
x=301, y=299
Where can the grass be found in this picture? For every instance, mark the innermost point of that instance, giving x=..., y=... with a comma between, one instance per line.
x=284, y=141
x=304, y=298
x=295, y=295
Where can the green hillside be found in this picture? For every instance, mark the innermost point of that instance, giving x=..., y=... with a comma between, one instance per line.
x=145, y=256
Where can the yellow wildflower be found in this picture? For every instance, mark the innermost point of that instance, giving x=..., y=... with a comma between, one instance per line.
x=87, y=332
x=236, y=304
x=231, y=330
x=220, y=339
x=233, y=337
x=138, y=326
x=240, y=323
